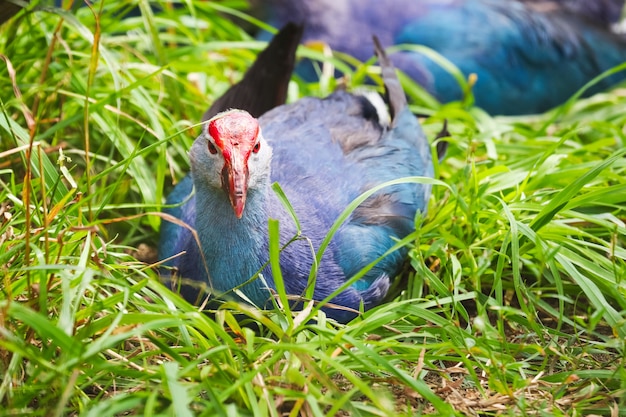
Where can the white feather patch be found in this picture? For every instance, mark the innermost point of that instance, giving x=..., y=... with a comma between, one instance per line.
x=377, y=101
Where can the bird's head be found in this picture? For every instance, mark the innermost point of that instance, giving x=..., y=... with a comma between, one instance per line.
x=231, y=155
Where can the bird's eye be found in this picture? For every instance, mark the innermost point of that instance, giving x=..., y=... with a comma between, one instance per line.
x=211, y=147
x=256, y=147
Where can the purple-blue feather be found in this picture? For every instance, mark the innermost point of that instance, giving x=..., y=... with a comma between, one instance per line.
x=529, y=55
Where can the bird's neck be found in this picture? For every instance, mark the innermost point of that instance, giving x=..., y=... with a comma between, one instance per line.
x=234, y=249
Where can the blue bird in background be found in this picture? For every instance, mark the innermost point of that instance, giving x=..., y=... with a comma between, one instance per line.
x=528, y=56
x=324, y=153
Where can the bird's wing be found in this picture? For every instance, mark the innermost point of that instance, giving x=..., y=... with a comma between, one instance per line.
x=325, y=154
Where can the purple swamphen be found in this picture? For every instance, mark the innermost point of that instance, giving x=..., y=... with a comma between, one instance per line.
x=323, y=153
x=529, y=56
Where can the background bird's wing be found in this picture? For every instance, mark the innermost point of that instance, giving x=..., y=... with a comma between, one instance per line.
x=526, y=61
x=529, y=55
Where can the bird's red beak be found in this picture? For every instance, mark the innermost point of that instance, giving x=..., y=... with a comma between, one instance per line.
x=235, y=180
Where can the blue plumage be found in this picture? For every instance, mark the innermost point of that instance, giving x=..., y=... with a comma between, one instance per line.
x=529, y=56
x=323, y=153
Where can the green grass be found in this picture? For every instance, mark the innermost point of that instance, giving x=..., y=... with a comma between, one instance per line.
x=515, y=294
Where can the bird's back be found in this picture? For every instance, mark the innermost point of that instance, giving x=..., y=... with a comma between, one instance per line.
x=339, y=147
